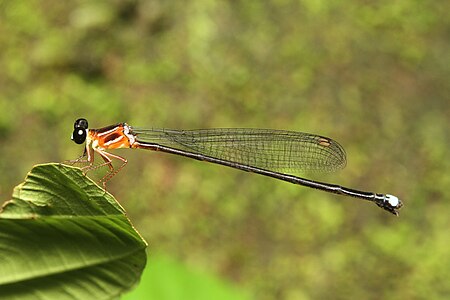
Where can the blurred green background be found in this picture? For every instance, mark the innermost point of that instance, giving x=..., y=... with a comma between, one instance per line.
x=372, y=75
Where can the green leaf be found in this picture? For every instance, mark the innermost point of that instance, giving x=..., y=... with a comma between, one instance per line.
x=63, y=237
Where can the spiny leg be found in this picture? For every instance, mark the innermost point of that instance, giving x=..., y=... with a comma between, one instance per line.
x=107, y=157
x=91, y=166
x=82, y=159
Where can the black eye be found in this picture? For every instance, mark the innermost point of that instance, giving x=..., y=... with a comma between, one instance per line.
x=79, y=135
x=81, y=123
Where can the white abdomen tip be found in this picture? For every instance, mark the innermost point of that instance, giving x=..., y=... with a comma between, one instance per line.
x=393, y=201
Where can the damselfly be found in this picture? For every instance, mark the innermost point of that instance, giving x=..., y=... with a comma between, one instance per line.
x=262, y=151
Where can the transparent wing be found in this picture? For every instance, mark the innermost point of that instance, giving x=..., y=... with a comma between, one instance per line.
x=276, y=150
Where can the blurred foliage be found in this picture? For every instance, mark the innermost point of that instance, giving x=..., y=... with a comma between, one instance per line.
x=372, y=75
x=157, y=282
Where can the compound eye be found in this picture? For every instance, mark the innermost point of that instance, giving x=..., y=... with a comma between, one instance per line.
x=79, y=135
x=81, y=123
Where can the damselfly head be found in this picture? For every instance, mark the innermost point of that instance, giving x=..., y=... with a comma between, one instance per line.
x=80, y=131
